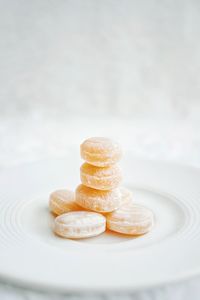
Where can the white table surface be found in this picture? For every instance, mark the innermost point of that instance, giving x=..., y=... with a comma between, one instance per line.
x=27, y=138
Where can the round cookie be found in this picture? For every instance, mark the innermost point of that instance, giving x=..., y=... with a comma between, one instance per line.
x=106, y=178
x=100, y=152
x=131, y=219
x=79, y=224
x=97, y=200
x=126, y=196
x=62, y=201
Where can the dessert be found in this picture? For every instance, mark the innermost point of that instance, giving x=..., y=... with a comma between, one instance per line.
x=100, y=151
x=100, y=199
x=130, y=219
x=62, y=201
x=96, y=200
x=106, y=178
x=79, y=224
x=126, y=196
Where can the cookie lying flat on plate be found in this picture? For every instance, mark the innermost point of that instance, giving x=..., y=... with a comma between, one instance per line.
x=130, y=219
x=79, y=224
x=62, y=201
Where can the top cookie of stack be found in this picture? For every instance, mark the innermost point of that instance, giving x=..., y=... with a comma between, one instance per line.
x=100, y=151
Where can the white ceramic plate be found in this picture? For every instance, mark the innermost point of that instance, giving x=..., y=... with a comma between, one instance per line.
x=31, y=255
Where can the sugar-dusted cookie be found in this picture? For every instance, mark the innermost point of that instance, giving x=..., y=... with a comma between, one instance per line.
x=79, y=224
x=100, y=151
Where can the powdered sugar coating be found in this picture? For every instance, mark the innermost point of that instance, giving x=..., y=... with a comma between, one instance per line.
x=100, y=151
x=131, y=219
x=62, y=201
x=98, y=200
x=105, y=178
x=79, y=224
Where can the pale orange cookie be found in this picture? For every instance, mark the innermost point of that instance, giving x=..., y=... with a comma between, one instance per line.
x=62, y=201
x=130, y=219
x=106, y=178
x=79, y=224
x=126, y=196
x=100, y=151
x=96, y=200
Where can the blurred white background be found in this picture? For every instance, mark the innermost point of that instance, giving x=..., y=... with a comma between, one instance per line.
x=71, y=69
x=125, y=58
x=74, y=69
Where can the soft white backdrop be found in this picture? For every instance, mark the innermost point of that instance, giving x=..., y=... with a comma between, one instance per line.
x=125, y=69
x=132, y=58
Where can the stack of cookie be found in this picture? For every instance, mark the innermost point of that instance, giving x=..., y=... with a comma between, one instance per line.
x=98, y=202
x=100, y=176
